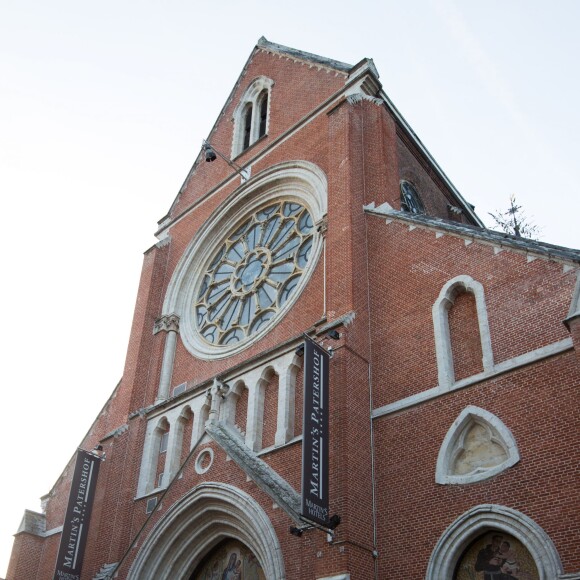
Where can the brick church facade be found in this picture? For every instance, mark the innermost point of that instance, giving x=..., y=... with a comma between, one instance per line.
x=454, y=376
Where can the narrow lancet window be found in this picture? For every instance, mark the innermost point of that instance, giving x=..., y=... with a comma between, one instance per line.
x=247, y=126
x=263, y=103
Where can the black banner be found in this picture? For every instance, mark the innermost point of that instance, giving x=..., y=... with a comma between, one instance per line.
x=315, y=434
x=78, y=516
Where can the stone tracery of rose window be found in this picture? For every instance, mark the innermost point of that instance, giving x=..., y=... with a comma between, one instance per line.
x=253, y=273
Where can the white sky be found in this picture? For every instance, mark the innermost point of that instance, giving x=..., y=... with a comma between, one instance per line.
x=102, y=110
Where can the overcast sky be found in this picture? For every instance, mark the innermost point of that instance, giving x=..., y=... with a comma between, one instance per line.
x=102, y=110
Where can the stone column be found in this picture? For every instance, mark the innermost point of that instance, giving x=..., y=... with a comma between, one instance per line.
x=286, y=368
x=169, y=324
x=255, y=417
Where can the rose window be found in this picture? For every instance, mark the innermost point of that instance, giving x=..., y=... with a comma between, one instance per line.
x=253, y=273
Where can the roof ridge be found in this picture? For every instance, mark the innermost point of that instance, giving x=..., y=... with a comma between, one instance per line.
x=484, y=234
x=264, y=43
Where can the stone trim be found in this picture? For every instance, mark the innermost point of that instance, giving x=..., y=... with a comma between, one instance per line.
x=199, y=469
x=195, y=524
x=301, y=181
x=116, y=432
x=355, y=98
x=441, y=325
x=105, y=571
x=574, y=311
x=451, y=444
x=250, y=98
x=166, y=323
x=258, y=470
x=32, y=523
x=268, y=46
x=174, y=418
x=499, y=369
x=481, y=519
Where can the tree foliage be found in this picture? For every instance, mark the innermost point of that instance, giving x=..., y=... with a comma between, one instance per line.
x=514, y=221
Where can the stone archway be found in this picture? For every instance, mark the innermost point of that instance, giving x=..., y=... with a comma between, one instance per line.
x=498, y=519
x=205, y=517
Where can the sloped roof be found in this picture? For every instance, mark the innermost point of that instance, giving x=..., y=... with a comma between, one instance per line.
x=493, y=237
x=346, y=69
x=265, y=44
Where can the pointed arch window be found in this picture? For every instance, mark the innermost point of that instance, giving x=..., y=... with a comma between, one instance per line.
x=440, y=312
x=263, y=110
x=247, y=126
x=410, y=199
x=252, y=114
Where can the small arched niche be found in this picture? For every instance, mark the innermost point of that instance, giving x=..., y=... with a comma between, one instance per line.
x=477, y=446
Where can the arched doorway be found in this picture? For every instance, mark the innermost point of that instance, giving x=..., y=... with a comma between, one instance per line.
x=477, y=536
x=209, y=517
x=229, y=560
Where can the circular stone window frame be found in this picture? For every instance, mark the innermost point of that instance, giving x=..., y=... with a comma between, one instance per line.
x=298, y=181
x=199, y=469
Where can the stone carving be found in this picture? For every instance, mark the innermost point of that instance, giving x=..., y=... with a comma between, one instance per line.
x=167, y=323
x=479, y=450
x=477, y=446
x=260, y=472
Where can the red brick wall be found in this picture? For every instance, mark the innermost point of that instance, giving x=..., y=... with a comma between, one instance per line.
x=465, y=338
x=389, y=277
x=24, y=560
x=526, y=301
x=539, y=405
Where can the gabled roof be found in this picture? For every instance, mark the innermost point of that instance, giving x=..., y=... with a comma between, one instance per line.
x=348, y=71
x=301, y=55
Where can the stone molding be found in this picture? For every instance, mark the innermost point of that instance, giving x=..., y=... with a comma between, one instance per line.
x=175, y=419
x=441, y=324
x=358, y=97
x=258, y=470
x=250, y=98
x=299, y=181
x=32, y=523
x=105, y=572
x=488, y=517
x=167, y=323
x=500, y=368
x=574, y=311
x=451, y=445
x=197, y=523
x=561, y=254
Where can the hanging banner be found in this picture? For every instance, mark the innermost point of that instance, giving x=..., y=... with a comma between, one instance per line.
x=78, y=515
x=315, y=434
